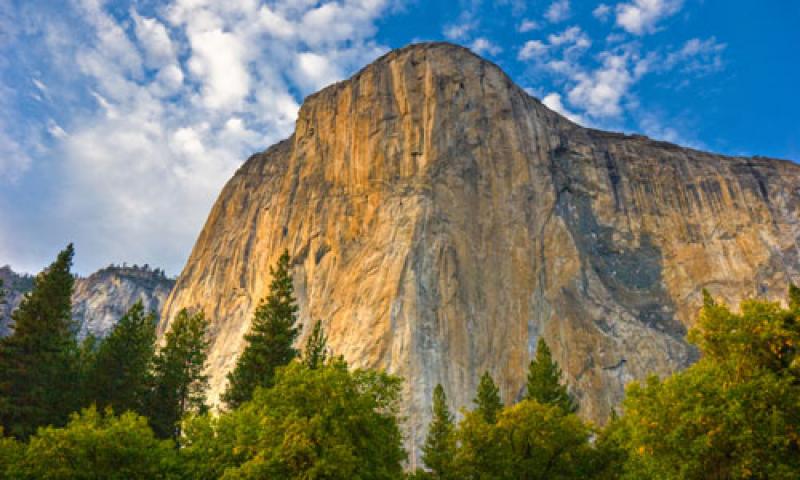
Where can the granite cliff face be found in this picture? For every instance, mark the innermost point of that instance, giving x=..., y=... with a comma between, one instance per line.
x=98, y=300
x=441, y=220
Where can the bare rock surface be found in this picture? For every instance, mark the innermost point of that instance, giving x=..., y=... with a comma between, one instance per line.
x=99, y=300
x=441, y=220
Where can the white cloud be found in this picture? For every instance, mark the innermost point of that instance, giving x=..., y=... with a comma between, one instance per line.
x=554, y=103
x=458, y=31
x=573, y=36
x=528, y=25
x=602, y=12
x=558, y=11
x=154, y=40
x=219, y=61
x=698, y=56
x=482, y=45
x=641, y=16
x=532, y=49
x=55, y=129
x=600, y=92
x=315, y=71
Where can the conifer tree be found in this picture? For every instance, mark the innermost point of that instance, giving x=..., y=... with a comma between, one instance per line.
x=122, y=370
x=316, y=351
x=179, y=379
x=39, y=360
x=544, y=381
x=488, y=399
x=87, y=354
x=269, y=344
x=439, y=449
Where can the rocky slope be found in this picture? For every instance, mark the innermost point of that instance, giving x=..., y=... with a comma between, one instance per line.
x=15, y=286
x=99, y=299
x=441, y=220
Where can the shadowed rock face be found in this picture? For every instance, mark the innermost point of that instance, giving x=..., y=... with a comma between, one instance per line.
x=441, y=221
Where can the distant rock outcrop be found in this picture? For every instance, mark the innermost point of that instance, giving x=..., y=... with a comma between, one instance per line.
x=441, y=221
x=97, y=300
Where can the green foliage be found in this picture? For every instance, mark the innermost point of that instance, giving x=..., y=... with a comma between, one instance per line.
x=439, y=450
x=179, y=379
x=732, y=415
x=323, y=423
x=528, y=441
x=540, y=441
x=39, y=367
x=478, y=456
x=269, y=344
x=94, y=446
x=122, y=369
x=544, y=381
x=316, y=351
x=11, y=452
x=488, y=399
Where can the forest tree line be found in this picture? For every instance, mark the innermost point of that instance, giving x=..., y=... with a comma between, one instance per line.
x=130, y=407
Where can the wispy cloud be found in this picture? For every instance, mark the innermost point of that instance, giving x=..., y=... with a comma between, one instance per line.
x=558, y=11
x=163, y=106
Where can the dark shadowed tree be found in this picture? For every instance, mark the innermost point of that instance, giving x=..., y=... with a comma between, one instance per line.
x=179, y=380
x=269, y=344
x=439, y=450
x=488, y=399
x=316, y=351
x=39, y=369
x=122, y=371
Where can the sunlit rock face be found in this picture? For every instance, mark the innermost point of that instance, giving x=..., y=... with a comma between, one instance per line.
x=99, y=300
x=441, y=220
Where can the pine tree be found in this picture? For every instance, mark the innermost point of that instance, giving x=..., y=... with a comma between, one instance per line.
x=316, y=351
x=488, y=399
x=121, y=374
x=39, y=360
x=270, y=341
x=544, y=381
x=439, y=449
x=87, y=355
x=179, y=379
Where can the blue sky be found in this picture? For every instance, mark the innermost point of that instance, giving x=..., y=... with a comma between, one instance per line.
x=121, y=120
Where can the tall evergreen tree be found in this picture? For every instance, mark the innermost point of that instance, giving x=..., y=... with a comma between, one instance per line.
x=179, y=379
x=439, y=449
x=39, y=360
x=121, y=374
x=544, y=381
x=488, y=399
x=270, y=341
x=316, y=351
